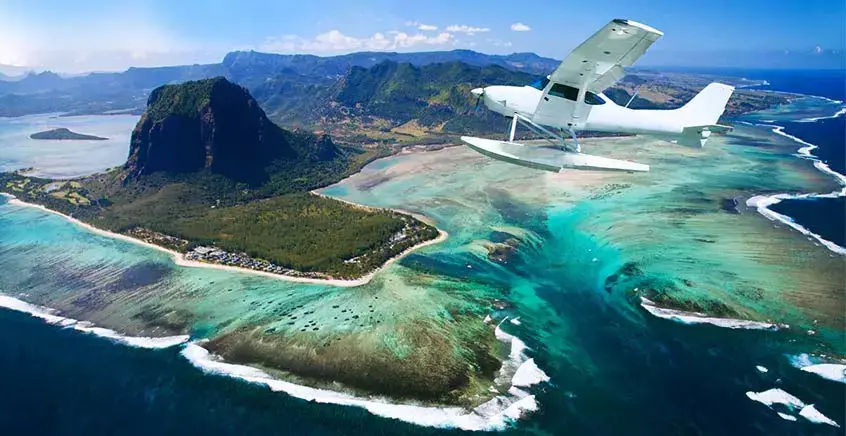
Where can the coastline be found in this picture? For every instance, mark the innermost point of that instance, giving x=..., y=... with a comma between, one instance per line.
x=179, y=259
x=417, y=216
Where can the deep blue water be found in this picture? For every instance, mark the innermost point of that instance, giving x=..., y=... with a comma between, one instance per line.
x=823, y=216
x=57, y=381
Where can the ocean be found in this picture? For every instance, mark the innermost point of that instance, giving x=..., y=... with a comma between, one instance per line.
x=823, y=216
x=613, y=368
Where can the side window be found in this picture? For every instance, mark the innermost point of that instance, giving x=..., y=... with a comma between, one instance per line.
x=564, y=91
x=593, y=99
x=540, y=84
x=572, y=94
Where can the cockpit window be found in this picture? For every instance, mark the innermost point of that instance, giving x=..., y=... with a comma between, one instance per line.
x=540, y=84
x=571, y=93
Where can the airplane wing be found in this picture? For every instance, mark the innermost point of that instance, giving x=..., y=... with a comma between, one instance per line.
x=599, y=61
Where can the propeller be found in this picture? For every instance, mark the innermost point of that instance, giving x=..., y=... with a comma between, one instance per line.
x=480, y=92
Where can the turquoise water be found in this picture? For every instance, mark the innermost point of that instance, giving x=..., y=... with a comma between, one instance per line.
x=614, y=368
x=64, y=159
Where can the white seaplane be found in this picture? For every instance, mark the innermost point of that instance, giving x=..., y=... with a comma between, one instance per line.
x=571, y=99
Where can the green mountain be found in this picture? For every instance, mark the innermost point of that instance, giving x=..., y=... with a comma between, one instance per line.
x=437, y=96
x=217, y=126
x=272, y=78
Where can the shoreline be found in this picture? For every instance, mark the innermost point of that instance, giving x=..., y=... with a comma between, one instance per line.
x=179, y=260
x=417, y=216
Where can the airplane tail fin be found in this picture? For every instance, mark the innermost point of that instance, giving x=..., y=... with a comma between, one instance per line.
x=706, y=107
x=700, y=114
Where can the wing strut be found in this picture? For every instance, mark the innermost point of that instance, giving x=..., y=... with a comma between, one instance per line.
x=554, y=139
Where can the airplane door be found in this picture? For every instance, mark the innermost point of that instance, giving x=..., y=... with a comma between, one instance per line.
x=558, y=107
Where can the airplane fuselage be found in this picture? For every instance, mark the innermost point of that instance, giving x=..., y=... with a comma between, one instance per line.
x=601, y=114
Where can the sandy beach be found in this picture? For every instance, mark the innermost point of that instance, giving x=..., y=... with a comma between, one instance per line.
x=179, y=259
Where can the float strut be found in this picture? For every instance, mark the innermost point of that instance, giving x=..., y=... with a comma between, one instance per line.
x=575, y=139
x=513, y=128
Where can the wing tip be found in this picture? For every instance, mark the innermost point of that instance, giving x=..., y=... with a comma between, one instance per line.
x=638, y=25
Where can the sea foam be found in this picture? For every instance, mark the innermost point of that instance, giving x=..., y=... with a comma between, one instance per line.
x=811, y=413
x=775, y=396
x=50, y=316
x=837, y=114
x=831, y=371
x=701, y=318
x=825, y=368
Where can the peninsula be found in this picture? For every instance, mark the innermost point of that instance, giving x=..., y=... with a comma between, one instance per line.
x=63, y=133
x=224, y=185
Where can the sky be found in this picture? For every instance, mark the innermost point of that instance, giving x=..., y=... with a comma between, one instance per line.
x=93, y=35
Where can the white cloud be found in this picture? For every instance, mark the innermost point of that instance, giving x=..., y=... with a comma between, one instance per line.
x=469, y=30
x=421, y=26
x=107, y=42
x=520, y=27
x=335, y=41
x=496, y=42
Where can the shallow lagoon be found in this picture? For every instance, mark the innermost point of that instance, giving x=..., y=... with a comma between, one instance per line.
x=614, y=368
x=64, y=159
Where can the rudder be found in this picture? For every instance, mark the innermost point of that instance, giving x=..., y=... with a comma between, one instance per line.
x=706, y=107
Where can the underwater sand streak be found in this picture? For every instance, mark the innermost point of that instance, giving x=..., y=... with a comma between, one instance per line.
x=701, y=318
x=762, y=202
x=178, y=258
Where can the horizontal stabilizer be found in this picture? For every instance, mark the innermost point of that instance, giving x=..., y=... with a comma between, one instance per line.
x=547, y=158
x=697, y=136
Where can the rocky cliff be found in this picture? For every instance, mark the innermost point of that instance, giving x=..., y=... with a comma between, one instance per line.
x=217, y=126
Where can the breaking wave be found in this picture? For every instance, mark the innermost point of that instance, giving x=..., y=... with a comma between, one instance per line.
x=518, y=371
x=762, y=202
x=701, y=318
x=495, y=414
x=50, y=316
x=834, y=370
x=775, y=396
x=839, y=113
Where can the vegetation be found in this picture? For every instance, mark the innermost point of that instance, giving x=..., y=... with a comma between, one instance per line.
x=301, y=231
x=64, y=134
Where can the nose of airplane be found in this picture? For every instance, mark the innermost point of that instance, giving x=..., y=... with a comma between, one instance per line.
x=478, y=91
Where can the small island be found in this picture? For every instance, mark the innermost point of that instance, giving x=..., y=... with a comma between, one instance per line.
x=62, y=133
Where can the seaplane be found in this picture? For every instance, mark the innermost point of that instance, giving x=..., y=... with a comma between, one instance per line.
x=571, y=99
